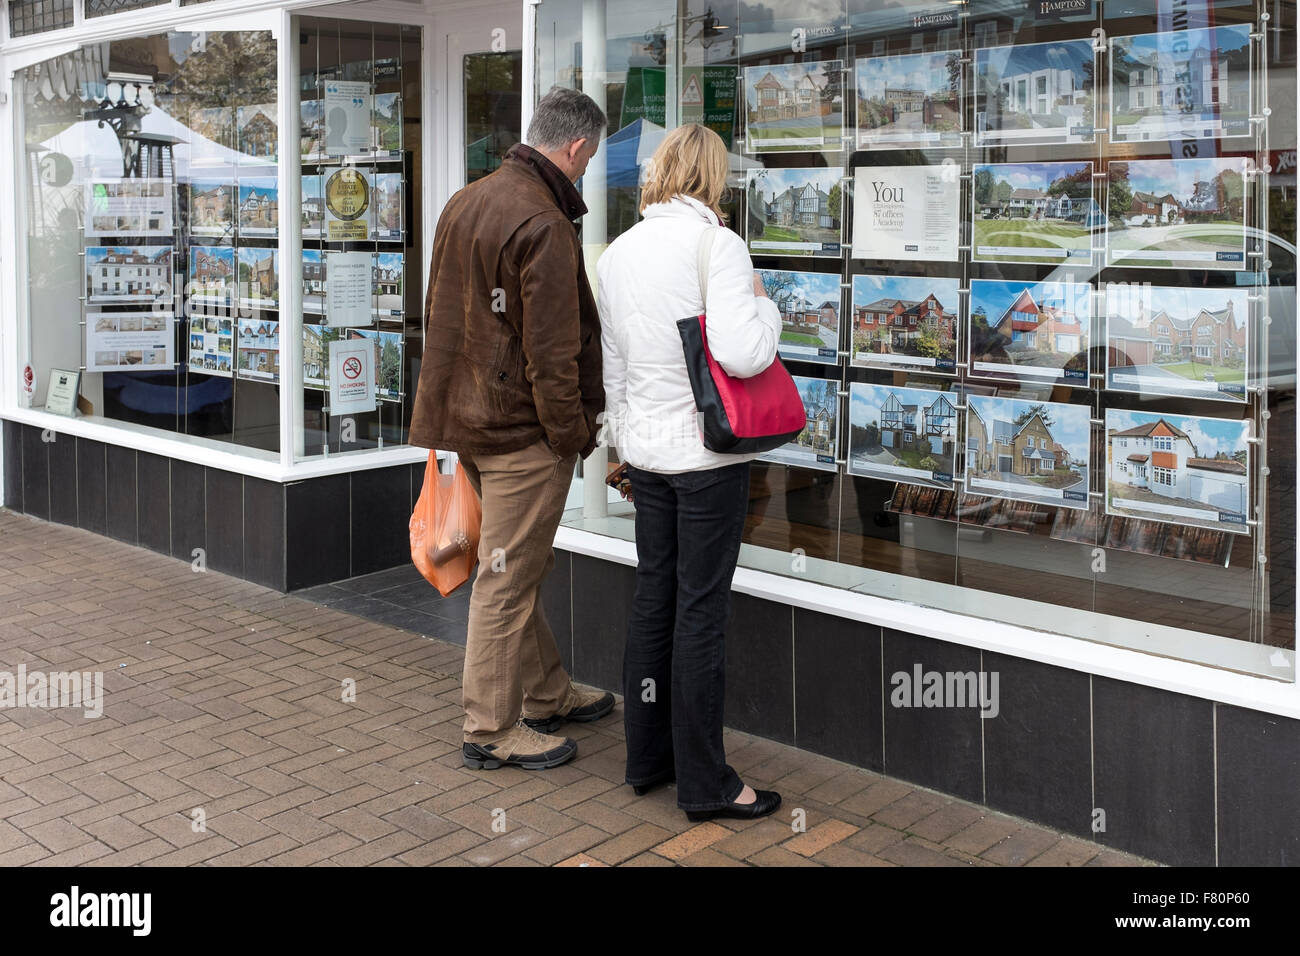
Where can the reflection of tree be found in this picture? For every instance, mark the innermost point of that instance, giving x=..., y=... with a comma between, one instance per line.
x=233, y=67
x=390, y=366
x=834, y=200
x=1120, y=194
x=1037, y=409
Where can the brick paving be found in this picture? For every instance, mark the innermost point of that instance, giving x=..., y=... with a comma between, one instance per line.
x=226, y=740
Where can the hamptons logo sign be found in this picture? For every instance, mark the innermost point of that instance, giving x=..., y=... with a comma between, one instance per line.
x=922, y=688
x=75, y=908
x=52, y=690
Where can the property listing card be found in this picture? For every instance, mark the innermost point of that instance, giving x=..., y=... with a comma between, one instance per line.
x=907, y=212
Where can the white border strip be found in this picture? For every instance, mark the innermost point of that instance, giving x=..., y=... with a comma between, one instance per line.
x=1181, y=677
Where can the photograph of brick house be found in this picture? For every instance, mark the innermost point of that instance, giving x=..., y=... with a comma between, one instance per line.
x=1172, y=85
x=313, y=281
x=212, y=275
x=810, y=313
x=817, y=445
x=1186, y=342
x=259, y=278
x=1030, y=331
x=795, y=212
x=1176, y=213
x=905, y=322
x=386, y=206
x=1035, y=93
x=1178, y=468
x=1028, y=451
x=909, y=101
x=212, y=208
x=794, y=106
x=902, y=434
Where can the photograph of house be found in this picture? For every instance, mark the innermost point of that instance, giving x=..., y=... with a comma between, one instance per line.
x=1176, y=213
x=1030, y=331
x=259, y=208
x=794, y=106
x=315, y=355
x=386, y=123
x=1038, y=93
x=313, y=281
x=909, y=101
x=1180, y=341
x=816, y=446
x=906, y=323
x=1189, y=84
x=389, y=349
x=211, y=275
x=902, y=434
x=259, y=350
x=386, y=207
x=1180, y=469
x=258, y=134
x=795, y=212
x=312, y=130
x=128, y=275
x=386, y=281
x=259, y=278
x=212, y=208
x=1033, y=212
x=313, y=207
x=810, y=313
x=1028, y=451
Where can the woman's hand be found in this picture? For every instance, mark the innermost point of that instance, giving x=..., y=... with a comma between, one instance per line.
x=759, y=291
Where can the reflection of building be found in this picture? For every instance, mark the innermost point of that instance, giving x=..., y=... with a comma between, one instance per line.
x=1012, y=449
x=1162, y=459
x=804, y=205
x=1186, y=83
x=905, y=319
x=777, y=102
x=126, y=272
x=1040, y=328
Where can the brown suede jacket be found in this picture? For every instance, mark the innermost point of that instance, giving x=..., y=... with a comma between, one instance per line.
x=512, y=336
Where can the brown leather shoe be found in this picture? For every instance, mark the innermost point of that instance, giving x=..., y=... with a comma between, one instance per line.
x=522, y=747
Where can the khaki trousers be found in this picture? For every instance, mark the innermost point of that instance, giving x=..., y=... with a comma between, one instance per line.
x=511, y=659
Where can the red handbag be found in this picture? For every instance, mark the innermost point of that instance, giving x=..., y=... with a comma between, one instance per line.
x=738, y=415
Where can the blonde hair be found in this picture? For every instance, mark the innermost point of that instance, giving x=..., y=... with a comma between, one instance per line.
x=691, y=161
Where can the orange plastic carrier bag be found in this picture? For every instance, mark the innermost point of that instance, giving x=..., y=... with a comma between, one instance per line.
x=445, y=528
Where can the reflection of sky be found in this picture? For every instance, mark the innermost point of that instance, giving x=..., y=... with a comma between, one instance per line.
x=390, y=260
x=919, y=71
x=1177, y=176
x=1009, y=60
x=995, y=297
x=815, y=286
x=867, y=289
x=1070, y=426
x=1030, y=175
x=810, y=390
x=779, y=180
x=1210, y=435
x=260, y=184
x=311, y=255
x=1223, y=38
x=866, y=400
x=1128, y=299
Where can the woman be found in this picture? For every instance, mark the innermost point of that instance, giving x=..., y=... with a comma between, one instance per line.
x=690, y=502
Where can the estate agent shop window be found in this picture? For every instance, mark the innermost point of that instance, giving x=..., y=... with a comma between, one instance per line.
x=1036, y=264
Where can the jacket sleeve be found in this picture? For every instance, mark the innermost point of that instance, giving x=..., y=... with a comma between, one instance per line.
x=552, y=330
x=742, y=328
x=614, y=363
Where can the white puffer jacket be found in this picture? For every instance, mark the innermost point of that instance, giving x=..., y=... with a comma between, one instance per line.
x=647, y=281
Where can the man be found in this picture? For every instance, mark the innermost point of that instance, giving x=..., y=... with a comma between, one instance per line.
x=511, y=381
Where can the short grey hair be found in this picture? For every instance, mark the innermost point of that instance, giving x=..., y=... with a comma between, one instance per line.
x=564, y=115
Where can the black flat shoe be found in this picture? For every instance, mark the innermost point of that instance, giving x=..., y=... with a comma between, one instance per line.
x=765, y=802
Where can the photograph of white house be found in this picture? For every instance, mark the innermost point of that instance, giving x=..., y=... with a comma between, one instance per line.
x=911, y=101
x=902, y=434
x=128, y=275
x=794, y=106
x=1180, y=469
x=1183, y=84
x=259, y=350
x=816, y=446
x=1038, y=93
x=1030, y=331
x=1033, y=212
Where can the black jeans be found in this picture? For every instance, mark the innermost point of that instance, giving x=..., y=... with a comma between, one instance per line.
x=688, y=530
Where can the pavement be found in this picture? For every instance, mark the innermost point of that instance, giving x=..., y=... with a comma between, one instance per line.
x=241, y=726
